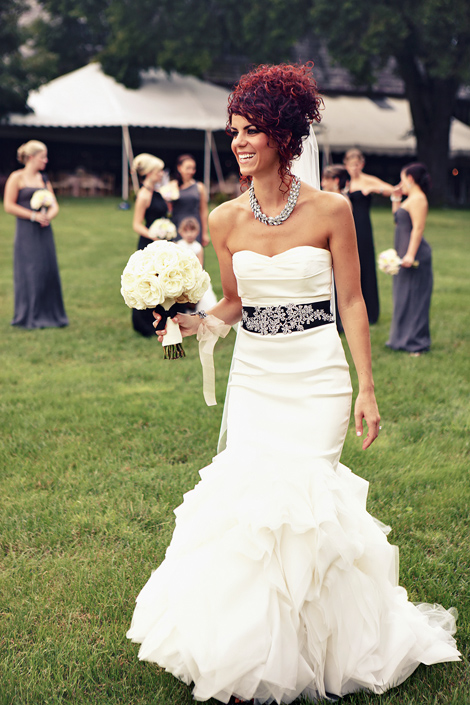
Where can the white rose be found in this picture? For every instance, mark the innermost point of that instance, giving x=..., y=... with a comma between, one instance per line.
x=172, y=283
x=129, y=280
x=150, y=290
x=129, y=290
x=202, y=284
x=190, y=269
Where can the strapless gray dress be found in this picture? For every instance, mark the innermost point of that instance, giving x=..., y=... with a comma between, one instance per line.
x=38, y=291
x=412, y=289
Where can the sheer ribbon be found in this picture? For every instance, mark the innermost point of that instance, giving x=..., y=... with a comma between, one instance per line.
x=209, y=331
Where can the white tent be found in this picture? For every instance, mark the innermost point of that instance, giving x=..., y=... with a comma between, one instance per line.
x=381, y=126
x=89, y=98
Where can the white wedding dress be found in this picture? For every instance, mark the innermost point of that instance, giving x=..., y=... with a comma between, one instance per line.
x=277, y=581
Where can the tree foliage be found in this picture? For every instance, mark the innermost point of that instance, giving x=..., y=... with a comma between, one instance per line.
x=66, y=36
x=194, y=37
x=14, y=80
x=430, y=41
x=184, y=35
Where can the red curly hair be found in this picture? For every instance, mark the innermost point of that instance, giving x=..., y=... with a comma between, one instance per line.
x=281, y=101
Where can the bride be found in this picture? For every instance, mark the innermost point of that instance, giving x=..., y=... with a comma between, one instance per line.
x=277, y=582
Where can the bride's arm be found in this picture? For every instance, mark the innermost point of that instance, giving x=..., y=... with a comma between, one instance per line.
x=343, y=247
x=228, y=309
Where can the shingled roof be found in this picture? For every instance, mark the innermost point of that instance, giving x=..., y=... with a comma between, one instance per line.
x=332, y=79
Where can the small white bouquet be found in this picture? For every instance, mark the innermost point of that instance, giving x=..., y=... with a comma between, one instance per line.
x=163, y=229
x=41, y=200
x=164, y=276
x=390, y=263
x=170, y=191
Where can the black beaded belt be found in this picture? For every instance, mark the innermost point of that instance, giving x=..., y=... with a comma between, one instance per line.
x=270, y=320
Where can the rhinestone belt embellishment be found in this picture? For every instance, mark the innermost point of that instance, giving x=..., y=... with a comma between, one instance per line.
x=270, y=320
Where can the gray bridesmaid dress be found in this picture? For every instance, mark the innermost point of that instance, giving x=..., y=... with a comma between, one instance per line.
x=188, y=205
x=38, y=292
x=412, y=289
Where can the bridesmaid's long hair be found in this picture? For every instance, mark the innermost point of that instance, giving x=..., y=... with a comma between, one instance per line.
x=420, y=176
x=182, y=158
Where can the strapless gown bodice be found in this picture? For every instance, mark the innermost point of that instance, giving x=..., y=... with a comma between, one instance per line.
x=298, y=275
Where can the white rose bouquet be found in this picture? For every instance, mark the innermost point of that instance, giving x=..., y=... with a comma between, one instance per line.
x=163, y=229
x=170, y=191
x=41, y=200
x=389, y=262
x=164, y=276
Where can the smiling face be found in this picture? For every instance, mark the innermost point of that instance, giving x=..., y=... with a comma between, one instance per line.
x=39, y=160
x=354, y=165
x=187, y=169
x=254, y=153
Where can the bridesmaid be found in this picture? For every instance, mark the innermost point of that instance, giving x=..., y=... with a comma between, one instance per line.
x=38, y=291
x=149, y=206
x=361, y=188
x=412, y=287
x=192, y=201
x=335, y=179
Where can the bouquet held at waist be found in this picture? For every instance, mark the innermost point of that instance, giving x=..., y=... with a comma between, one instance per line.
x=164, y=276
x=41, y=200
x=162, y=229
x=390, y=263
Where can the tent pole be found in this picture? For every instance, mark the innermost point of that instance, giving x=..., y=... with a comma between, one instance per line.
x=125, y=182
x=218, y=168
x=128, y=158
x=207, y=161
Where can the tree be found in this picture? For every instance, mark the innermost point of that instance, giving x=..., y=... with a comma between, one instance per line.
x=430, y=41
x=14, y=80
x=193, y=37
x=184, y=35
x=66, y=35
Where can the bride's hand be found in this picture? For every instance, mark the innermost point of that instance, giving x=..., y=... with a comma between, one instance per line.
x=188, y=325
x=366, y=410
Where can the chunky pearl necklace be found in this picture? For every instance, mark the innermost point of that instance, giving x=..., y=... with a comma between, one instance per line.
x=284, y=214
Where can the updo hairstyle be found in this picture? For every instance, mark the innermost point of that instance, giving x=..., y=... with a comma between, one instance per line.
x=337, y=171
x=144, y=163
x=29, y=149
x=420, y=176
x=281, y=101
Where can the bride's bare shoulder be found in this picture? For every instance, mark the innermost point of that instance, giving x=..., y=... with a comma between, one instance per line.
x=324, y=202
x=229, y=211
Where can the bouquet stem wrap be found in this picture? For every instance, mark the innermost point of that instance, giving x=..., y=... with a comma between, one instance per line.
x=209, y=331
x=172, y=342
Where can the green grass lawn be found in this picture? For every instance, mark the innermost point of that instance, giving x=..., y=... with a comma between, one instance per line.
x=100, y=437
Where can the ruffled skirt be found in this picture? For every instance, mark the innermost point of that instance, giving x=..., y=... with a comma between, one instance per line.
x=277, y=581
